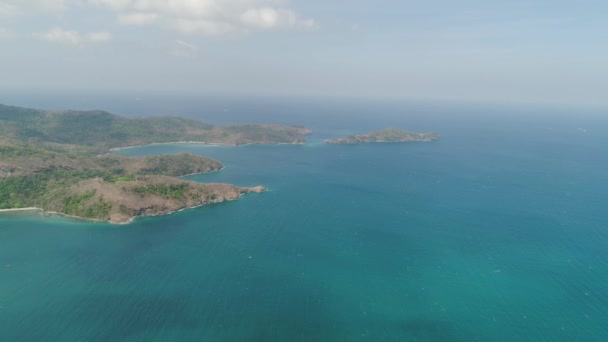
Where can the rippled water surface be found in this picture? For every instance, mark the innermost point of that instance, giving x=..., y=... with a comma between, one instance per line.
x=496, y=232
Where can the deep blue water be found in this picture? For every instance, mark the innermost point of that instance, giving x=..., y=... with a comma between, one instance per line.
x=495, y=233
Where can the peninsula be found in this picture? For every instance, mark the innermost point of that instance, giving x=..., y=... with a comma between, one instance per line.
x=60, y=162
x=392, y=135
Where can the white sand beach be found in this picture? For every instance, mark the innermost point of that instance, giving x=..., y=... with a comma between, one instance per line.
x=19, y=209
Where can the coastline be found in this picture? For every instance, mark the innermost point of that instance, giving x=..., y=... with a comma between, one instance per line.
x=155, y=187
x=330, y=142
x=202, y=173
x=116, y=149
x=128, y=221
x=78, y=218
x=50, y=213
x=19, y=209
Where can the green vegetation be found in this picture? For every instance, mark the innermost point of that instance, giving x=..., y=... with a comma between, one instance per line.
x=42, y=186
x=385, y=135
x=8, y=151
x=177, y=165
x=33, y=189
x=18, y=192
x=123, y=179
x=102, y=130
x=174, y=191
x=79, y=205
x=59, y=161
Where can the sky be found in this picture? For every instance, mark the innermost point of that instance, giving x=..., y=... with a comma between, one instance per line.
x=533, y=51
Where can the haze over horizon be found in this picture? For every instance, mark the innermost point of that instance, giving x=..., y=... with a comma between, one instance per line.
x=545, y=52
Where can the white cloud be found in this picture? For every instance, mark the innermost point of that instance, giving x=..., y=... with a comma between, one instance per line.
x=43, y=5
x=72, y=38
x=308, y=24
x=7, y=10
x=60, y=36
x=203, y=26
x=207, y=17
x=267, y=17
x=137, y=19
x=98, y=37
x=184, y=49
x=271, y=18
x=6, y=34
x=114, y=4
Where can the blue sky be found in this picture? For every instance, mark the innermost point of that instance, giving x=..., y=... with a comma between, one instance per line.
x=552, y=52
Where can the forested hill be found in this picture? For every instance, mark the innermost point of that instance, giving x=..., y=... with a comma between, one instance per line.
x=57, y=161
x=394, y=135
x=104, y=130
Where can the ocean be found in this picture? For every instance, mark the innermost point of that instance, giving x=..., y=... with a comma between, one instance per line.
x=497, y=232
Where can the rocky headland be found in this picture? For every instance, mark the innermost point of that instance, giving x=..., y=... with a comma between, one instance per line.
x=60, y=162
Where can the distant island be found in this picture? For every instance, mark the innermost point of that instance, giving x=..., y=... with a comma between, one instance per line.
x=59, y=162
x=389, y=135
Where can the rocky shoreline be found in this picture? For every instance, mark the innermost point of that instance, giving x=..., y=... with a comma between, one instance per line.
x=146, y=211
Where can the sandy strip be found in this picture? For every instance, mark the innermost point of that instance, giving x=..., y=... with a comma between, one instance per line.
x=170, y=143
x=19, y=209
x=116, y=149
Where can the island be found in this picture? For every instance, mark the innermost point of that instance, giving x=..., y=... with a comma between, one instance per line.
x=60, y=162
x=388, y=135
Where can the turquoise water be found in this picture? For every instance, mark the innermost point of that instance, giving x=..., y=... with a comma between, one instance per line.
x=495, y=233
